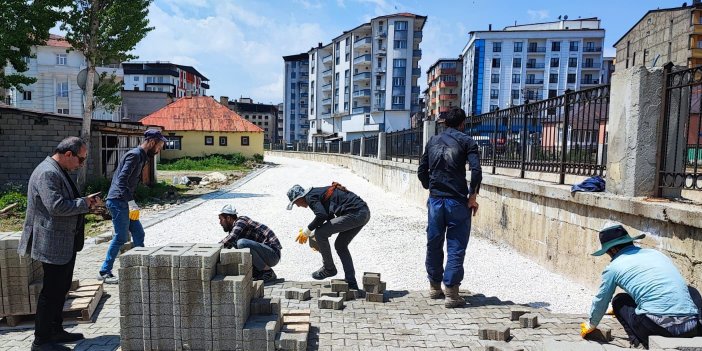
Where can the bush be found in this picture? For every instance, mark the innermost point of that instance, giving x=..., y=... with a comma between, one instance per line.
x=98, y=184
x=208, y=163
x=258, y=158
x=10, y=197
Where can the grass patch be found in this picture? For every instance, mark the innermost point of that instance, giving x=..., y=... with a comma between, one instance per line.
x=216, y=162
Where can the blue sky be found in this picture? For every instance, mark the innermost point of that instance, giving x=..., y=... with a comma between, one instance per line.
x=239, y=45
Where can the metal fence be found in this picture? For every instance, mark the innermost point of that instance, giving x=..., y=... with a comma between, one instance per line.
x=370, y=146
x=356, y=147
x=680, y=156
x=334, y=147
x=566, y=134
x=346, y=147
x=404, y=145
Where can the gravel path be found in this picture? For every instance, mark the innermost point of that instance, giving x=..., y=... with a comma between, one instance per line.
x=392, y=243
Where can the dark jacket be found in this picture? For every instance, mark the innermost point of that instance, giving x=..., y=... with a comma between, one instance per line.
x=340, y=203
x=127, y=175
x=53, y=228
x=442, y=168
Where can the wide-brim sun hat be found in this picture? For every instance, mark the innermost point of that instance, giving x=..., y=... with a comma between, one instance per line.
x=613, y=234
x=295, y=193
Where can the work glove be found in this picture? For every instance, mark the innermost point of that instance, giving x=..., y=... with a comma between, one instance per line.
x=303, y=235
x=586, y=328
x=133, y=211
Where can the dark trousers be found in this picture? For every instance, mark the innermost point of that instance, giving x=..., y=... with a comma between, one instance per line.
x=347, y=226
x=449, y=220
x=639, y=327
x=56, y=283
x=262, y=255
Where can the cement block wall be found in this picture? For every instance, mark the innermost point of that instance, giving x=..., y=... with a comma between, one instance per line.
x=545, y=222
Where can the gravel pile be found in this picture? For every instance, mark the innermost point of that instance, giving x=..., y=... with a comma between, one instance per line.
x=392, y=243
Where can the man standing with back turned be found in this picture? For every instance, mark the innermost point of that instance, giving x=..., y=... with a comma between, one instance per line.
x=120, y=199
x=442, y=170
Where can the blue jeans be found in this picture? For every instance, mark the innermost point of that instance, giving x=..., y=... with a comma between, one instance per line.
x=122, y=227
x=262, y=255
x=449, y=219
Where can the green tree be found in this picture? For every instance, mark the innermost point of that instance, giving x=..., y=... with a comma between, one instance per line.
x=24, y=24
x=105, y=31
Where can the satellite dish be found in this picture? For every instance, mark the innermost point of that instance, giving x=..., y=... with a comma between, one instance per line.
x=83, y=78
x=565, y=17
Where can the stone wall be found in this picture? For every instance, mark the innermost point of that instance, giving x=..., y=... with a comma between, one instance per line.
x=545, y=222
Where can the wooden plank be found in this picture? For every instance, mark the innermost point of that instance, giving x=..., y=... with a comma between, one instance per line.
x=76, y=304
x=87, y=314
x=76, y=294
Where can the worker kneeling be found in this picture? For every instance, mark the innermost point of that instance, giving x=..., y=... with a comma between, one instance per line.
x=657, y=300
x=247, y=233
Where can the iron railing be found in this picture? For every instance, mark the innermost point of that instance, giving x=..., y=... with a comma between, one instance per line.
x=680, y=142
x=370, y=147
x=356, y=147
x=566, y=134
x=334, y=147
x=346, y=147
x=404, y=145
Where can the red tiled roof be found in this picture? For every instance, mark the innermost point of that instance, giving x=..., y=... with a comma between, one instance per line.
x=199, y=113
x=57, y=41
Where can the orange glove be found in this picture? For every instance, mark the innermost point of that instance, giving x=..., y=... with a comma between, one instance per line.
x=303, y=235
x=586, y=328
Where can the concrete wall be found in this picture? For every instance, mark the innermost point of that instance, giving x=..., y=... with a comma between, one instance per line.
x=545, y=222
x=193, y=144
x=139, y=104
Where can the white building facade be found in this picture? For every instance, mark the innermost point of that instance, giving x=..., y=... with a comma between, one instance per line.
x=56, y=89
x=366, y=80
x=162, y=76
x=296, y=99
x=530, y=62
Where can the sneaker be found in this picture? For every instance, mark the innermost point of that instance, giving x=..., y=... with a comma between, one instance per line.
x=323, y=273
x=267, y=276
x=107, y=278
x=49, y=346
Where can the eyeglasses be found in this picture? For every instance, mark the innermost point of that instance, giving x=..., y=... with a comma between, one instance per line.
x=81, y=159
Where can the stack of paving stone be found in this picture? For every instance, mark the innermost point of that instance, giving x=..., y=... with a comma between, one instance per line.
x=374, y=288
x=192, y=297
x=20, y=278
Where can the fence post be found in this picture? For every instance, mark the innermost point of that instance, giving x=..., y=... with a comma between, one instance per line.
x=494, y=145
x=427, y=133
x=382, y=151
x=341, y=146
x=314, y=145
x=522, y=164
x=564, y=144
x=362, y=150
x=327, y=147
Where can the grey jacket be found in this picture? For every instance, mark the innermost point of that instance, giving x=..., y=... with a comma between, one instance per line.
x=54, y=216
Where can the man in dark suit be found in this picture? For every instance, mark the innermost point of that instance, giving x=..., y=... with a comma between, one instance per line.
x=53, y=234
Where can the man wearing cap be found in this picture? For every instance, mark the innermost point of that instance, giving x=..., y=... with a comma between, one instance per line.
x=120, y=199
x=336, y=210
x=258, y=238
x=656, y=300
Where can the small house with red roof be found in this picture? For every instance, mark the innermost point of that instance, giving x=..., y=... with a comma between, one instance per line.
x=200, y=126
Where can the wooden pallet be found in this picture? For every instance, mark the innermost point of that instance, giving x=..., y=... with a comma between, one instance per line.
x=79, y=307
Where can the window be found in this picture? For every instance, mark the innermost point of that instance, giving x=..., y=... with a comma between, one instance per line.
x=494, y=93
x=573, y=62
x=347, y=57
x=347, y=41
x=495, y=63
x=173, y=143
x=399, y=63
x=398, y=100
x=574, y=45
x=380, y=26
x=378, y=80
x=497, y=46
x=398, y=82
x=516, y=78
x=400, y=44
x=400, y=25
x=552, y=93
x=209, y=140
x=556, y=46
x=293, y=74
x=61, y=59
x=136, y=78
x=571, y=78
x=244, y=141
x=493, y=108
x=63, y=111
x=553, y=78
x=518, y=46
x=517, y=62
x=515, y=94
x=27, y=95
x=554, y=62
x=495, y=78
x=62, y=89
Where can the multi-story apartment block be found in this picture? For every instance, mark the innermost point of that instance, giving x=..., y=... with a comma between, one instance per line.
x=444, y=86
x=295, y=102
x=366, y=80
x=531, y=62
x=166, y=77
x=263, y=115
x=662, y=36
x=56, y=90
x=607, y=69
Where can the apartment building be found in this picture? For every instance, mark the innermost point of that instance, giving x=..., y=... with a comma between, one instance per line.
x=662, y=36
x=56, y=90
x=607, y=69
x=444, y=86
x=365, y=80
x=163, y=76
x=264, y=116
x=502, y=68
x=295, y=101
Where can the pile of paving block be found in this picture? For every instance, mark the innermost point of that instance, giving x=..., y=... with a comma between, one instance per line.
x=195, y=297
x=373, y=287
x=20, y=278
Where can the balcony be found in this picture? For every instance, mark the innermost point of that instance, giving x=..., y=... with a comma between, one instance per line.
x=535, y=65
x=534, y=97
x=417, y=53
x=380, y=70
x=446, y=71
x=534, y=81
x=591, y=65
x=379, y=106
x=362, y=76
x=536, y=49
x=418, y=34
x=325, y=114
x=589, y=81
x=445, y=84
x=416, y=71
x=362, y=59
x=381, y=34
x=327, y=59
x=363, y=109
x=326, y=101
x=326, y=87
x=592, y=49
x=415, y=90
x=362, y=92
x=304, y=95
x=327, y=73
x=363, y=43
x=448, y=96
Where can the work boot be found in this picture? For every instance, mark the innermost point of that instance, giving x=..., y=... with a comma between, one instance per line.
x=435, y=291
x=453, y=299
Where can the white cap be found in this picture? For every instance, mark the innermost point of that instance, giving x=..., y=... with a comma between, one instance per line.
x=228, y=209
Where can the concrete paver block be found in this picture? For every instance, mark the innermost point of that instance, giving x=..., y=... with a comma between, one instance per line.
x=515, y=313
x=370, y=278
x=287, y=341
x=332, y=303
x=494, y=332
x=371, y=297
x=297, y=294
x=674, y=343
x=528, y=321
x=339, y=285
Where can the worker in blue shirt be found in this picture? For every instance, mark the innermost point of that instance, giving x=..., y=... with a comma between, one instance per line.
x=442, y=170
x=656, y=300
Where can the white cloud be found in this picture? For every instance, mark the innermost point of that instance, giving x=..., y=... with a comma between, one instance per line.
x=537, y=15
x=309, y=4
x=341, y=3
